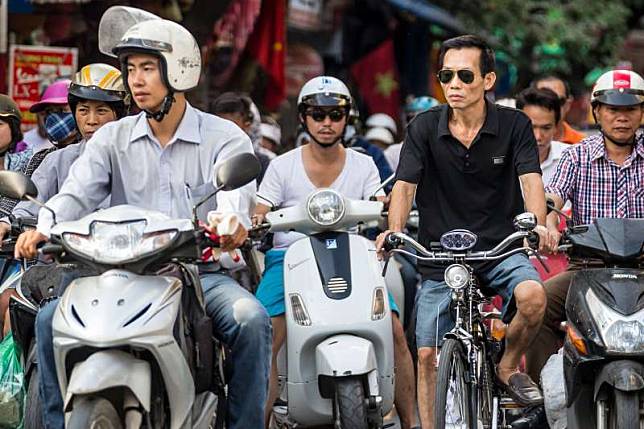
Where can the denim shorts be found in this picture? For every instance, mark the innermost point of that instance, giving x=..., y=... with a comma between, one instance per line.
x=270, y=291
x=434, y=318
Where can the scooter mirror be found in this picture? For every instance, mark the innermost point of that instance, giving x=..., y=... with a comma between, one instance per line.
x=525, y=221
x=16, y=185
x=237, y=171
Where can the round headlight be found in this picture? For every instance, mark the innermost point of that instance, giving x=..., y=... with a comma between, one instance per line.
x=457, y=276
x=325, y=207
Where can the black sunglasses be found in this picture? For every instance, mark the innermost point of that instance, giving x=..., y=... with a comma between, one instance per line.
x=319, y=115
x=465, y=76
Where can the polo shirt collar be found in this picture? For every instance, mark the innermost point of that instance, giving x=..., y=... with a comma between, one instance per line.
x=188, y=130
x=490, y=126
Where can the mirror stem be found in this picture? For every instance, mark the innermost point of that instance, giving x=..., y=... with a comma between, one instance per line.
x=38, y=203
x=195, y=219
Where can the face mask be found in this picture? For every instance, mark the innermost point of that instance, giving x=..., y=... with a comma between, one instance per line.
x=60, y=126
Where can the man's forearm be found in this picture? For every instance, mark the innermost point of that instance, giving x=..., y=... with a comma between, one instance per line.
x=535, y=197
x=402, y=198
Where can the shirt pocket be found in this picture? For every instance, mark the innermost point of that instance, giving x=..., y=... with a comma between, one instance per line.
x=197, y=193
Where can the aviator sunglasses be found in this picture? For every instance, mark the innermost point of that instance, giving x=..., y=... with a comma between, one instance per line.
x=465, y=76
x=319, y=115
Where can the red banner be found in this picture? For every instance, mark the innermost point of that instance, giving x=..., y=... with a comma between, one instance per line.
x=32, y=68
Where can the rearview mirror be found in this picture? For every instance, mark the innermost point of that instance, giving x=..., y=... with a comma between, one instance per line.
x=17, y=186
x=237, y=171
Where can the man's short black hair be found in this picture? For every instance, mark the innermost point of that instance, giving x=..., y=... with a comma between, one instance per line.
x=487, y=63
x=232, y=102
x=552, y=76
x=544, y=97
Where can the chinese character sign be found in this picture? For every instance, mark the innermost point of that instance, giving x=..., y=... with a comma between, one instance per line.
x=32, y=68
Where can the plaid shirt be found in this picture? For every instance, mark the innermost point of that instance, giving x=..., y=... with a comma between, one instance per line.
x=596, y=185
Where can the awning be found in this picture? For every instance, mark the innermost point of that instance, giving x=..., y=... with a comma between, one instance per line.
x=434, y=14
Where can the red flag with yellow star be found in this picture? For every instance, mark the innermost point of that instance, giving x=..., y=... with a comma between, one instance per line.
x=267, y=46
x=376, y=76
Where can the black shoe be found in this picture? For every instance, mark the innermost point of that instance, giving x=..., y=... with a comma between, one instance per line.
x=533, y=418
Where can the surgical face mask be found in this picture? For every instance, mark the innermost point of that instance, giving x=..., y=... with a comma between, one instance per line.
x=60, y=126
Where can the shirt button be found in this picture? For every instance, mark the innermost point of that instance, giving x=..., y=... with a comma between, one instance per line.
x=467, y=155
x=467, y=163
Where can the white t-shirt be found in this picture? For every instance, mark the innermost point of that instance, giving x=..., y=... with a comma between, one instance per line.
x=392, y=153
x=286, y=184
x=549, y=165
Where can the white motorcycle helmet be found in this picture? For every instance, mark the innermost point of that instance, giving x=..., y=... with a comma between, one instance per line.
x=618, y=88
x=324, y=91
x=177, y=50
x=382, y=120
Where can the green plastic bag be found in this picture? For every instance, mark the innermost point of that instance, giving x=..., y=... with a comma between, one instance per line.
x=12, y=392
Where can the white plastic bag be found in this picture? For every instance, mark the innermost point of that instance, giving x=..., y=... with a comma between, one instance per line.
x=554, y=391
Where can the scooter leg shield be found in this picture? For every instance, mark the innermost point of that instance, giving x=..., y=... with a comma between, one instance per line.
x=107, y=369
x=624, y=375
x=344, y=355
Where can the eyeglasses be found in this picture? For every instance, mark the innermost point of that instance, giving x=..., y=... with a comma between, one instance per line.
x=319, y=115
x=465, y=76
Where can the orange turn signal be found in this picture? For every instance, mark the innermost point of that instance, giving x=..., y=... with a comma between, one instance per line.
x=576, y=339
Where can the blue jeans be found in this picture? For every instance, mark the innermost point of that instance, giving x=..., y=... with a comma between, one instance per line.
x=434, y=318
x=239, y=320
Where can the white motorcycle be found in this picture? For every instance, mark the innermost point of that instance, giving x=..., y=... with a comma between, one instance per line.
x=127, y=352
x=340, y=360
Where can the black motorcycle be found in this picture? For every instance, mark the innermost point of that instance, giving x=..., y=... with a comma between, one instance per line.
x=604, y=345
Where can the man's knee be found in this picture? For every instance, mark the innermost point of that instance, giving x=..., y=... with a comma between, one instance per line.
x=427, y=357
x=250, y=314
x=531, y=299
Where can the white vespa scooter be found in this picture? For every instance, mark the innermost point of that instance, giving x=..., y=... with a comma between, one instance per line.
x=339, y=336
x=124, y=344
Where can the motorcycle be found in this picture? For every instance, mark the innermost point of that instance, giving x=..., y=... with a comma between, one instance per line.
x=130, y=348
x=603, y=353
x=339, y=367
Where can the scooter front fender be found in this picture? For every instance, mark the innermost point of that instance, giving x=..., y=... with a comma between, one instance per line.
x=345, y=355
x=110, y=368
x=624, y=375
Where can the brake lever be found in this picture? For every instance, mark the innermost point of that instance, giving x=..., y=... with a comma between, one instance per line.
x=541, y=261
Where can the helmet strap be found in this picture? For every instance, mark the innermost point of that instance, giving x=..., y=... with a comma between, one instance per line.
x=166, y=105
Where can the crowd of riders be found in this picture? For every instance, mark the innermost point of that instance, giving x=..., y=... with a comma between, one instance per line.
x=110, y=136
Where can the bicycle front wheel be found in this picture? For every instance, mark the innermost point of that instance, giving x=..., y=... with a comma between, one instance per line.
x=452, y=407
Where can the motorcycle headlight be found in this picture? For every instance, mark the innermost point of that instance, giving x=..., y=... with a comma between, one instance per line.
x=457, y=276
x=112, y=243
x=325, y=207
x=621, y=334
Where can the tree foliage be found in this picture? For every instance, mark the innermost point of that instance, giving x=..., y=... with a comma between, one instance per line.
x=570, y=37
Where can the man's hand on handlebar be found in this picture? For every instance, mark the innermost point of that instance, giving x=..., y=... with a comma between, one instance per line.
x=27, y=244
x=548, y=239
x=380, y=244
x=235, y=240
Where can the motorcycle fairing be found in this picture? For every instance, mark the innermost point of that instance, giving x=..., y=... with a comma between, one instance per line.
x=333, y=257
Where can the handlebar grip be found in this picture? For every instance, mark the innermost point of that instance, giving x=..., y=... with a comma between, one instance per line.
x=51, y=249
x=391, y=242
x=533, y=240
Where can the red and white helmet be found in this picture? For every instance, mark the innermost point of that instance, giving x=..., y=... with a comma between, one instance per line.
x=618, y=88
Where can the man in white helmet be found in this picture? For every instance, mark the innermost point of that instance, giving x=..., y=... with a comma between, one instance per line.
x=323, y=105
x=603, y=177
x=163, y=159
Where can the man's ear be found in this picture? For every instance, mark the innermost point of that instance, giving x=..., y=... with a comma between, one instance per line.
x=489, y=80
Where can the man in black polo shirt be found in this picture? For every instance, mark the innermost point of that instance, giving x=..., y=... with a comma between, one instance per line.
x=466, y=163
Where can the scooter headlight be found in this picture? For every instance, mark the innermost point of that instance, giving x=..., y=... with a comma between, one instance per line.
x=457, y=276
x=621, y=334
x=325, y=207
x=112, y=243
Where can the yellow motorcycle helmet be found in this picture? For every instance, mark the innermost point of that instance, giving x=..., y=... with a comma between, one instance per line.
x=99, y=82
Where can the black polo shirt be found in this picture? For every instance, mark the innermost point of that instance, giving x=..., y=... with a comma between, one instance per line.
x=477, y=188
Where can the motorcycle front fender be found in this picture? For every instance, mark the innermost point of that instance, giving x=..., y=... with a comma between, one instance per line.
x=345, y=355
x=107, y=369
x=624, y=375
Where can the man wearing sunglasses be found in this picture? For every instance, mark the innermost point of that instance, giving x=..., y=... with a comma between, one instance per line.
x=323, y=104
x=465, y=163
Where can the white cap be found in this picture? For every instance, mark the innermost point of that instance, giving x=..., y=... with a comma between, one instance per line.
x=380, y=133
x=382, y=120
x=271, y=132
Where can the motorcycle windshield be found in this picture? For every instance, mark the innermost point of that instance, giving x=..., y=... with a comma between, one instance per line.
x=613, y=238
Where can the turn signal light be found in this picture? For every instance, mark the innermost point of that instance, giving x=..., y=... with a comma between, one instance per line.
x=576, y=339
x=378, y=306
x=300, y=315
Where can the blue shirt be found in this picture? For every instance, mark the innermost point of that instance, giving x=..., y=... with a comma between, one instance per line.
x=126, y=161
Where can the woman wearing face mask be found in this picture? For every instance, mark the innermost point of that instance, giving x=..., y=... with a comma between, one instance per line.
x=10, y=136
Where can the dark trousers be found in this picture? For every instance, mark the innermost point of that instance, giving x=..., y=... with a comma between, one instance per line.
x=550, y=336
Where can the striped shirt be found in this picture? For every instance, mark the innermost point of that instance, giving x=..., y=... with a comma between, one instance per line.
x=596, y=185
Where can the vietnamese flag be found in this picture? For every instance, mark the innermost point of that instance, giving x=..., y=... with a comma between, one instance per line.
x=376, y=76
x=267, y=46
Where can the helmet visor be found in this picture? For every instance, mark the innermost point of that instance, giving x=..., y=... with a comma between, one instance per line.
x=326, y=100
x=96, y=93
x=115, y=22
x=616, y=97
